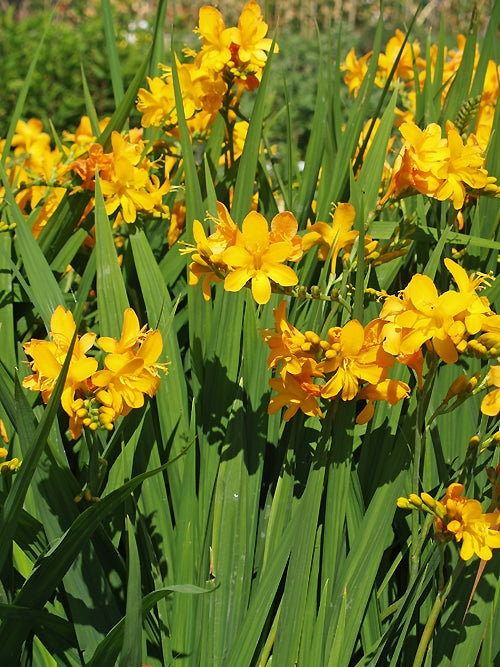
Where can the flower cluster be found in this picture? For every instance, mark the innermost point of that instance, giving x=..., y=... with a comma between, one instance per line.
x=126, y=181
x=460, y=518
x=228, y=58
x=350, y=363
x=254, y=254
x=442, y=168
x=444, y=323
x=412, y=70
x=91, y=397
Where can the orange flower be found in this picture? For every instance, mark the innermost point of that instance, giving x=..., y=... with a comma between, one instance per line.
x=291, y=350
x=295, y=391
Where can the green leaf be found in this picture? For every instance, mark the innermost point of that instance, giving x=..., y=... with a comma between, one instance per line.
x=131, y=653
x=111, y=293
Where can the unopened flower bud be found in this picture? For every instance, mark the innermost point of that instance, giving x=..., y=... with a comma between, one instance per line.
x=428, y=500
x=415, y=500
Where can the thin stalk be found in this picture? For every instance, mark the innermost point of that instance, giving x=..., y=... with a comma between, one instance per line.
x=420, y=433
x=433, y=616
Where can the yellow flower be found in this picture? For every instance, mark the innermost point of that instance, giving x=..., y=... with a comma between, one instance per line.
x=356, y=70
x=215, y=52
x=419, y=315
x=464, y=167
x=256, y=258
x=250, y=38
x=420, y=162
x=478, y=532
x=490, y=405
x=404, y=68
x=48, y=358
x=353, y=358
x=157, y=104
x=131, y=372
x=338, y=236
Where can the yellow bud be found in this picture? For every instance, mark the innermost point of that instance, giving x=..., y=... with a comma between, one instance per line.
x=87, y=421
x=105, y=419
x=428, y=500
x=313, y=337
x=82, y=413
x=474, y=441
x=76, y=405
x=415, y=500
x=403, y=503
x=87, y=494
x=3, y=452
x=93, y=426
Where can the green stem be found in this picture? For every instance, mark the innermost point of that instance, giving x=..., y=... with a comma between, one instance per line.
x=420, y=432
x=433, y=616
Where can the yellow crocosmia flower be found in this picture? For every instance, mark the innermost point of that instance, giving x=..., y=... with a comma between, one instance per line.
x=463, y=168
x=420, y=162
x=478, y=532
x=29, y=136
x=255, y=258
x=48, y=358
x=128, y=375
x=296, y=392
x=157, y=105
x=405, y=66
x=131, y=336
x=290, y=349
x=420, y=314
x=215, y=53
x=490, y=405
x=356, y=70
x=338, y=236
x=127, y=189
x=355, y=356
x=476, y=307
x=3, y=433
x=250, y=37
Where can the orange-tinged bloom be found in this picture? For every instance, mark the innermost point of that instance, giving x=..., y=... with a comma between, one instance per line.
x=420, y=161
x=297, y=392
x=257, y=259
x=338, y=236
x=290, y=349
